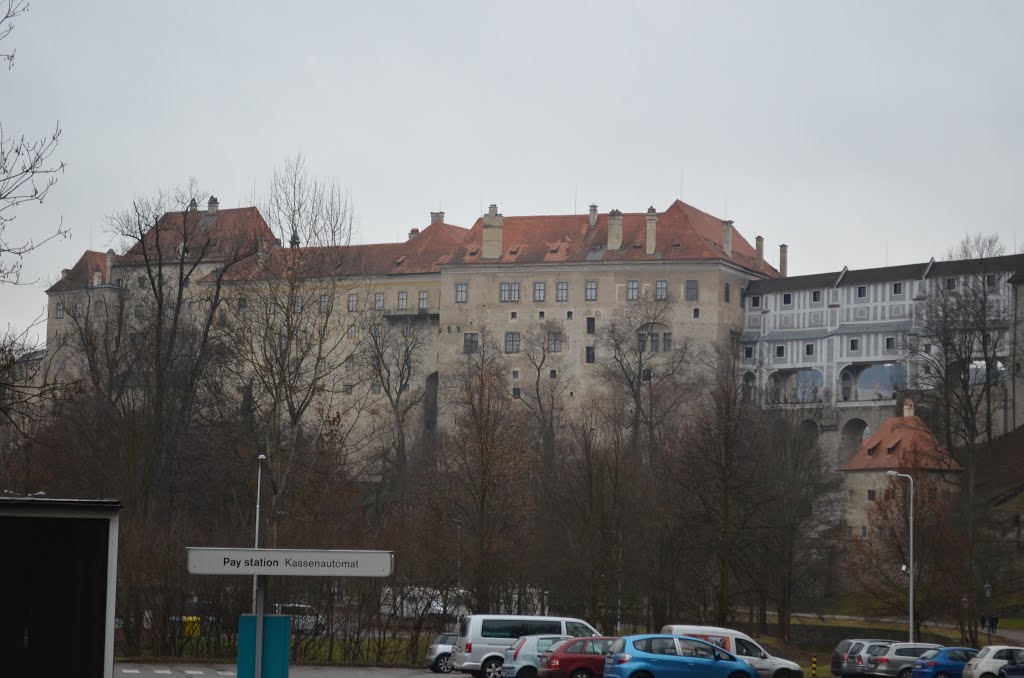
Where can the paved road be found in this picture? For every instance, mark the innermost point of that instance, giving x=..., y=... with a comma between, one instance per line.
x=228, y=671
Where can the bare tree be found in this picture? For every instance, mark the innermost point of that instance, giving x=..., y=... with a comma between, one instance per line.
x=543, y=347
x=647, y=366
x=26, y=171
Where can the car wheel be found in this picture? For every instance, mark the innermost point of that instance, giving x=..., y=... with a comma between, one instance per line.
x=641, y=674
x=942, y=675
x=581, y=673
x=905, y=673
x=527, y=672
x=443, y=664
x=491, y=668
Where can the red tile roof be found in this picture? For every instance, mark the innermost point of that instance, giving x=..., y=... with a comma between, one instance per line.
x=902, y=443
x=81, y=273
x=683, y=233
x=213, y=236
x=420, y=254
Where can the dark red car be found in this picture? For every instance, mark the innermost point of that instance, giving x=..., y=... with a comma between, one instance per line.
x=575, y=658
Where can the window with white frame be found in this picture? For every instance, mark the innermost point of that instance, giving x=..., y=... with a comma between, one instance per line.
x=538, y=291
x=461, y=292
x=890, y=343
x=661, y=289
x=897, y=288
x=504, y=292
x=512, y=340
x=59, y=311
x=403, y=301
x=780, y=351
x=632, y=290
x=562, y=290
x=591, y=290
x=353, y=302
x=816, y=296
x=378, y=301
x=554, y=342
x=471, y=342
x=854, y=344
x=862, y=291
x=325, y=303
x=808, y=350
x=755, y=302
x=692, y=290
x=787, y=299
x=423, y=300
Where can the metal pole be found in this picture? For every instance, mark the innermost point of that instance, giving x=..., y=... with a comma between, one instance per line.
x=259, y=485
x=911, y=479
x=260, y=599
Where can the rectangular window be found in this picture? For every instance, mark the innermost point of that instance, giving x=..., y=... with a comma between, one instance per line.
x=538, y=291
x=562, y=291
x=666, y=342
x=78, y=310
x=553, y=374
x=511, y=342
x=142, y=282
x=748, y=352
x=632, y=290
x=890, y=343
x=517, y=392
x=375, y=387
x=816, y=296
x=871, y=495
x=854, y=344
x=325, y=303
x=641, y=341
x=378, y=301
x=726, y=295
x=787, y=299
x=353, y=302
x=505, y=292
x=780, y=351
x=59, y=311
x=692, y=290
x=696, y=313
x=755, y=302
x=515, y=293
x=470, y=342
x=554, y=342
x=461, y=292
x=862, y=292
x=351, y=330
x=654, y=342
x=591, y=325
x=423, y=300
x=661, y=289
x=591, y=294
x=590, y=354
x=951, y=284
x=403, y=301
x=808, y=349
x=897, y=288
x=927, y=348
x=990, y=280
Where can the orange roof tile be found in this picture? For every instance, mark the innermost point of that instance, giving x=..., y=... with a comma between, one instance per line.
x=225, y=231
x=81, y=273
x=902, y=443
x=683, y=233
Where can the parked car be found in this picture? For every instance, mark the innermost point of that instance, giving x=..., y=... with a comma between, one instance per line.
x=857, y=656
x=483, y=638
x=839, y=655
x=1013, y=668
x=672, y=657
x=989, y=660
x=741, y=645
x=946, y=662
x=522, y=659
x=896, y=660
x=439, y=654
x=575, y=658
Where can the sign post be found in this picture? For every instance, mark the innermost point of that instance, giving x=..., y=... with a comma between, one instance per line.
x=262, y=563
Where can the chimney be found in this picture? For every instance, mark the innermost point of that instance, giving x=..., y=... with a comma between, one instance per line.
x=413, y=232
x=437, y=217
x=652, y=228
x=593, y=216
x=193, y=206
x=760, y=248
x=783, y=260
x=492, y=233
x=212, y=205
x=908, y=408
x=110, y=264
x=727, y=237
x=65, y=273
x=614, y=230
x=97, y=277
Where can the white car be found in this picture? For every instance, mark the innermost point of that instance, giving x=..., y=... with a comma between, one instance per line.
x=741, y=645
x=989, y=660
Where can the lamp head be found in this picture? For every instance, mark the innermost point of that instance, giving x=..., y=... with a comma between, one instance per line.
x=262, y=457
x=888, y=473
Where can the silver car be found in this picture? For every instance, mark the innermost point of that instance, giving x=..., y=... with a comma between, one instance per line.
x=439, y=654
x=897, y=660
x=523, y=657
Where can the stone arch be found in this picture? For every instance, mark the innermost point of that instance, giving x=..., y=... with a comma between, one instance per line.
x=775, y=386
x=848, y=384
x=853, y=435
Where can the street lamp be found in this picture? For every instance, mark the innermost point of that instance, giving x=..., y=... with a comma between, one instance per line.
x=911, y=509
x=988, y=610
x=259, y=485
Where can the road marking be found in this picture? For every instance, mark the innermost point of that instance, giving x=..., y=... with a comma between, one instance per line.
x=129, y=670
x=225, y=673
x=163, y=671
x=194, y=673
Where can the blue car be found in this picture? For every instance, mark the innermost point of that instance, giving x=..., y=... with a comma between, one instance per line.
x=946, y=662
x=661, y=656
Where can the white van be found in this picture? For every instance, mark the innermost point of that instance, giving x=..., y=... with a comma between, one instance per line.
x=480, y=647
x=741, y=645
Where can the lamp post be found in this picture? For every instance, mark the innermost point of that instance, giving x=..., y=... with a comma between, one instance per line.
x=259, y=486
x=911, y=510
x=988, y=610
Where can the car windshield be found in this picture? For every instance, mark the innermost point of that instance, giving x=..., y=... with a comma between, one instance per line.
x=559, y=645
x=929, y=654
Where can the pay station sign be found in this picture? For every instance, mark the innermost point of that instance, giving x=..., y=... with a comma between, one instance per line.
x=290, y=563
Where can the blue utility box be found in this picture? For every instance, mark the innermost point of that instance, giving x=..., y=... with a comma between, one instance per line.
x=276, y=645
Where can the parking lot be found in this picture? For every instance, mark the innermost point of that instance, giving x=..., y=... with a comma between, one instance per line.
x=131, y=670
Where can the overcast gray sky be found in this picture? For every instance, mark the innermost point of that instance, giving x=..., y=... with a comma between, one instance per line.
x=847, y=130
